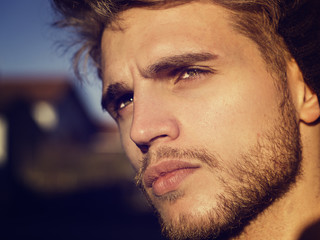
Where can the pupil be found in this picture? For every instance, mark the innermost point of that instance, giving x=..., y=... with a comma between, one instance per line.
x=191, y=73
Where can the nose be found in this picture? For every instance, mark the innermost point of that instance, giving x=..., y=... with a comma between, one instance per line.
x=153, y=121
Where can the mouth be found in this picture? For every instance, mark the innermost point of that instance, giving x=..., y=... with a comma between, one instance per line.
x=167, y=176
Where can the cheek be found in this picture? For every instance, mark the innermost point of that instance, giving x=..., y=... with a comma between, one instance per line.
x=132, y=151
x=230, y=120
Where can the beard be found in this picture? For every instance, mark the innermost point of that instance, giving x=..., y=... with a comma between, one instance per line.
x=260, y=176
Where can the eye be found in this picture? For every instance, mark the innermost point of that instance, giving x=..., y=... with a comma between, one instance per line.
x=192, y=73
x=123, y=101
x=189, y=73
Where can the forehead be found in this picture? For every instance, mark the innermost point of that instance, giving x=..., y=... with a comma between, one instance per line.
x=149, y=33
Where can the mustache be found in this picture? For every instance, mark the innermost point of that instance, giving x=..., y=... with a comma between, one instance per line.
x=201, y=154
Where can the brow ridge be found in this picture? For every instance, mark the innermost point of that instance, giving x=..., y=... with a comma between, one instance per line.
x=162, y=65
x=176, y=61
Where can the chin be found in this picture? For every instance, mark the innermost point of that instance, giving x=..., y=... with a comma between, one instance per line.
x=184, y=205
x=189, y=219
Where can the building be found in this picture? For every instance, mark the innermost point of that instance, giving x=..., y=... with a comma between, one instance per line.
x=59, y=167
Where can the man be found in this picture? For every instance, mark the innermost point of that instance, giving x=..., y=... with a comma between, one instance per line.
x=217, y=107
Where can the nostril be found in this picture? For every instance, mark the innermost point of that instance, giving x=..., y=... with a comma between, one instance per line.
x=144, y=148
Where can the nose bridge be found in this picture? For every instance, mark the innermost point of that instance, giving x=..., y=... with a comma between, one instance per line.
x=153, y=119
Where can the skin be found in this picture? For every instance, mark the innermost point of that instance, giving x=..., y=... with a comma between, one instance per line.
x=232, y=92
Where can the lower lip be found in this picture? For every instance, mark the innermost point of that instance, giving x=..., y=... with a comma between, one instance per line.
x=171, y=181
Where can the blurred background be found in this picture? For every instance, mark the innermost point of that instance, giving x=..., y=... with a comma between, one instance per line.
x=63, y=174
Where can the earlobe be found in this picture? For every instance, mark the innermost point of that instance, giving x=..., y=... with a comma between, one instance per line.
x=310, y=110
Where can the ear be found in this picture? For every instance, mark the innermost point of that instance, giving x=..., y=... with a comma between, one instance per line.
x=310, y=110
x=305, y=100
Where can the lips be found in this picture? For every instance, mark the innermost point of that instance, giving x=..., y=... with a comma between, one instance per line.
x=166, y=176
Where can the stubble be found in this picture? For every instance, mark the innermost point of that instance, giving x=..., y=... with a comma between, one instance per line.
x=259, y=176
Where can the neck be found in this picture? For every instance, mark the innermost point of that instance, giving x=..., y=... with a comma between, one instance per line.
x=287, y=217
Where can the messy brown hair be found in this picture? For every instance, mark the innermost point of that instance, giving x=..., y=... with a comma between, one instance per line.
x=259, y=20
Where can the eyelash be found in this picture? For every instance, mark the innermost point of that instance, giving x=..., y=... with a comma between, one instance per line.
x=123, y=101
x=127, y=98
x=196, y=70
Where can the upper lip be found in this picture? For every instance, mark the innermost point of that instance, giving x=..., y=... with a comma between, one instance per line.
x=153, y=172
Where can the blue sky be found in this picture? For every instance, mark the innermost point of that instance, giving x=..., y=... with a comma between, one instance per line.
x=27, y=40
x=28, y=46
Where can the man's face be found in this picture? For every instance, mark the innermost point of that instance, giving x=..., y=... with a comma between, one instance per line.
x=199, y=116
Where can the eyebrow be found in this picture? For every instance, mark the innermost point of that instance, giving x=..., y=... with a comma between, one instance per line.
x=176, y=62
x=163, y=65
